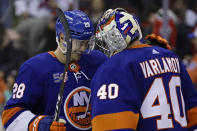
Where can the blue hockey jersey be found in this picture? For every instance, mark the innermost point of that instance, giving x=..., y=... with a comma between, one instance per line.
x=145, y=88
x=36, y=88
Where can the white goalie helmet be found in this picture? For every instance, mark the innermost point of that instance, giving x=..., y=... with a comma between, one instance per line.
x=116, y=29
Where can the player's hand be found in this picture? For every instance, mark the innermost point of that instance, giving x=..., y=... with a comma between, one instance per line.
x=46, y=123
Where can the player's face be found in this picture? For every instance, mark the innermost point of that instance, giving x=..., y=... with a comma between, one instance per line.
x=78, y=47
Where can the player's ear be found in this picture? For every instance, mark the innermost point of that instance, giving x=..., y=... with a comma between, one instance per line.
x=61, y=37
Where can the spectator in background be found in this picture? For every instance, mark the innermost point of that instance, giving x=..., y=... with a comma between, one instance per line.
x=131, y=6
x=5, y=94
x=3, y=87
x=35, y=35
x=25, y=9
x=7, y=63
x=149, y=17
x=4, y=5
x=183, y=44
x=37, y=32
x=49, y=41
x=96, y=10
x=189, y=16
x=192, y=67
x=40, y=8
x=83, y=5
x=8, y=54
x=158, y=26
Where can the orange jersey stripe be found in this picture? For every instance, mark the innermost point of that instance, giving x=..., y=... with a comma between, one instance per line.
x=108, y=22
x=121, y=120
x=33, y=126
x=52, y=53
x=140, y=46
x=192, y=117
x=9, y=113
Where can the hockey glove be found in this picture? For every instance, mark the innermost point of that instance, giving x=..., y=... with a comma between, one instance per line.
x=46, y=123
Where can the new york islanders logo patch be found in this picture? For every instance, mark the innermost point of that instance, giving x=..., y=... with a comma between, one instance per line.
x=75, y=108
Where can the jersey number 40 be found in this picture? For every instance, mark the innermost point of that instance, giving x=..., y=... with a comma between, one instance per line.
x=150, y=108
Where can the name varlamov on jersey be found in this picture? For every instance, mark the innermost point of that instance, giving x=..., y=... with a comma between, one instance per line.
x=154, y=67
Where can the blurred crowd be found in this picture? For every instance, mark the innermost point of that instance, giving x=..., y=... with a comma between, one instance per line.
x=27, y=27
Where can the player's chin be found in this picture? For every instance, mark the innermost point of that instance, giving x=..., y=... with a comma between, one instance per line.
x=75, y=56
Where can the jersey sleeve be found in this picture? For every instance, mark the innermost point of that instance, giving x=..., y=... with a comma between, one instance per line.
x=27, y=93
x=190, y=98
x=114, y=100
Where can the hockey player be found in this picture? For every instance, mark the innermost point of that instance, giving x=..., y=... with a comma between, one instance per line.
x=36, y=88
x=141, y=87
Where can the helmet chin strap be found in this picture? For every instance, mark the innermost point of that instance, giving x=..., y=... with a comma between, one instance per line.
x=58, y=43
x=65, y=51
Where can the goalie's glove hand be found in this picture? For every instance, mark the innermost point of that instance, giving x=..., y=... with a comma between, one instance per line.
x=46, y=123
x=158, y=41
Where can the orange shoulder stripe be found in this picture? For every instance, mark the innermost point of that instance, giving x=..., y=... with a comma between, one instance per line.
x=192, y=117
x=121, y=120
x=140, y=46
x=9, y=113
x=33, y=126
x=52, y=53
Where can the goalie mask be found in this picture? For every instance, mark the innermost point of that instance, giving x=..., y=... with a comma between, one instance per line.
x=81, y=29
x=116, y=29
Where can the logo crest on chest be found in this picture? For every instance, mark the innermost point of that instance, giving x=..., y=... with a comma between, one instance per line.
x=77, y=108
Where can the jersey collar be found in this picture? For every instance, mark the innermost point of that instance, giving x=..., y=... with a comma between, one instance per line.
x=139, y=46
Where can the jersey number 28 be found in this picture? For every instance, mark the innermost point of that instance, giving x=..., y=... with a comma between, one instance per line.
x=18, y=90
x=157, y=93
